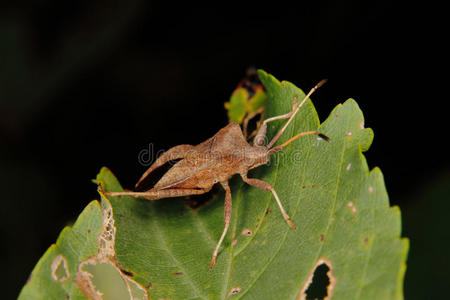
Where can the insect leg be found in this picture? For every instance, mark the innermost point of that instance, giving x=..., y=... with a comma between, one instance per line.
x=159, y=194
x=267, y=187
x=173, y=153
x=247, y=119
x=227, y=219
x=259, y=138
x=294, y=112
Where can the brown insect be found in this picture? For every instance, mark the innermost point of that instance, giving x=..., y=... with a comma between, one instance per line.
x=216, y=160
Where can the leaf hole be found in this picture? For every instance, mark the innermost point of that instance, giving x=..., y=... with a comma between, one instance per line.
x=320, y=282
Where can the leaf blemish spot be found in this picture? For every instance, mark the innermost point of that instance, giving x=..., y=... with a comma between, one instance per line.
x=233, y=242
x=366, y=240
x=234, y=291
x=247, y=232
x=370, y=189
x=361, y=125
x=177, y=273
x=268, y=211
x=60, y=270
x=352, y=206
x=348, y=166
x=322, y=237
x=349, y=133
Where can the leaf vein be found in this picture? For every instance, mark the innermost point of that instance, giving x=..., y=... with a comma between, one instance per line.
x=280, y=244
x=230, y=265
x=177, y=263
x=369, y=253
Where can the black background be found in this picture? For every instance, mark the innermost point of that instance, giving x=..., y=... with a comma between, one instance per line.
x=86, y=84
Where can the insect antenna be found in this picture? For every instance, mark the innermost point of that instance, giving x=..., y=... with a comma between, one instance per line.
x=278, y=148
x=279, y=133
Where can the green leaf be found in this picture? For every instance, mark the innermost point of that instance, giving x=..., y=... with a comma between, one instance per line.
x=341, y=210
x=237, y=107
x=55, y=272
x=242, y=103
x=82, y=263
x=257, y=101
